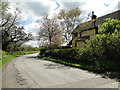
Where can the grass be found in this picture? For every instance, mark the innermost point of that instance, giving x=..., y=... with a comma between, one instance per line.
x=6, y=57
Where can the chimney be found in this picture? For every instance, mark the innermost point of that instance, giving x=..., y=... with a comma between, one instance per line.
x=92, y=13
x=93, y=16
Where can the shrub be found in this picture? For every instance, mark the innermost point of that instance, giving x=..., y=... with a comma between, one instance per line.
x=109, y=26
x=104, y=51
x=70, y=54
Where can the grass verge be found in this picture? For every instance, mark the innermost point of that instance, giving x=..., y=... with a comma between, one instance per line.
x=6, y=57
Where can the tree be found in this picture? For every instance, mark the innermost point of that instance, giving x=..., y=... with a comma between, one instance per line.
x=4, y=15
x=16, y=36
x=49, y=30
x=109, y=26
x=3, y=10
x=9, y=25
x=69, y=20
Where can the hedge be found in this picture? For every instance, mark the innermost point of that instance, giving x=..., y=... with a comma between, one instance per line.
x=101, y=54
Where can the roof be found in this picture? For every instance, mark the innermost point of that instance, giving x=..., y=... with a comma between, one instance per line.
x=84, y=26
x=100, y=20
x=113, y=15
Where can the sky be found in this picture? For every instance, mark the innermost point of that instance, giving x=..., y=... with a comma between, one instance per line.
x=33, y=10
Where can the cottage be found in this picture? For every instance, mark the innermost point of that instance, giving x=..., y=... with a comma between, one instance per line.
x=87, y=30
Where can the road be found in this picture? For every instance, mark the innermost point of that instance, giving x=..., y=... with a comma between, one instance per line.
x=28, y=71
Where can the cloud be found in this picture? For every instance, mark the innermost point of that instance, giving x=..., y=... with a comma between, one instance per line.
x=37, y=8
x=68, y=5
x=33, y=10
x=32, y=28
x=32, y=43
x=119, y=5
x=98, y=6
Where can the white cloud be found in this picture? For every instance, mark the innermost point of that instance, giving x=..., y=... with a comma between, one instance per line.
x=31, y=9
x=98, y=6
x=32, y=28
x=32, y=43
x=35, y=8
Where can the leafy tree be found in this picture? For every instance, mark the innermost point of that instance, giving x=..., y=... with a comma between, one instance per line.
x=109, y=26
x=3, y=11
x=70, y=19
x=9, y=25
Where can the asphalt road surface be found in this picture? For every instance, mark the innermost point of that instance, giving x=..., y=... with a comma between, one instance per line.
x=28, y=71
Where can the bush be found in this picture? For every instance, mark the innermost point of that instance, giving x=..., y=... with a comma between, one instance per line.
x=70, y=54
x=105, y=50
x=109, y=26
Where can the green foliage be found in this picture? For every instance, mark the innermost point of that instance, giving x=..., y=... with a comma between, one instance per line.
x=13, y=48
x=104, y=51
x=109, y=27
x=26, y=48
x=63, y=53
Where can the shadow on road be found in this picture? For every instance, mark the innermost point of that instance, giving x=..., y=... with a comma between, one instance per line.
x=34, y=57
x=49, y=65
x=111, y=75
x=55, y=66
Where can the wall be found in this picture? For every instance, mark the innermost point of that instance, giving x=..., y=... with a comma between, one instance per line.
x=88, y=33
x=73, y=43
x=80, y=43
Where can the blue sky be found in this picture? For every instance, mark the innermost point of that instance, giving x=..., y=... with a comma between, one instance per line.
x=33, y=10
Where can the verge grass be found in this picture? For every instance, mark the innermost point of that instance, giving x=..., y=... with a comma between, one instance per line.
x=5, y=57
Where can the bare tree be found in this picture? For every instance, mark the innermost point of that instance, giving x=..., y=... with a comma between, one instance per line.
x=49, y=29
